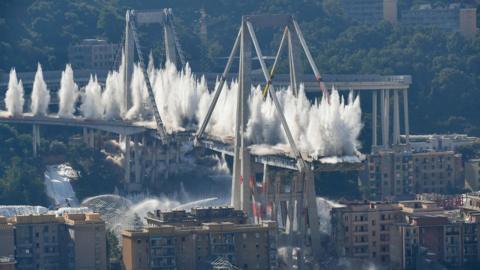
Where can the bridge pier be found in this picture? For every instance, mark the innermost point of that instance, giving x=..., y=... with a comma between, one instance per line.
x=35, y=139
x=289, y=199
x=89, y=137
x=388, y=133
x=137, y=163
x=125, y=140
x=405, y=116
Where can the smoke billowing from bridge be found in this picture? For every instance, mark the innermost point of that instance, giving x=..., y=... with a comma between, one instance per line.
x=324, y=128
x=40, y=94
x=68, y=94
x=14, y=99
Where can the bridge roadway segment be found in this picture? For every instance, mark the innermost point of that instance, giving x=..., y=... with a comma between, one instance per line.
x=281, y=159
x=118, y=127
x=220, y=145
x=341, y=82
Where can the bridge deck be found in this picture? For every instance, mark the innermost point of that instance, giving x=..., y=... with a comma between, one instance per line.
x=266, y=154
x=119, y=127
x=283, y=159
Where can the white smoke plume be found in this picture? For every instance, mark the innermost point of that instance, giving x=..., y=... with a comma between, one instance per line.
x=110, y=102
x=139, y=94
x=177, y=95
x=324, y=128
x=112, y=96
x=14, y=99
x=91, y=107
x=67, y=94
x=40, y=94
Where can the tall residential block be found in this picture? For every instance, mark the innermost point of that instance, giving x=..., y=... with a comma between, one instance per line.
x=169, y=244
x=72, y=241
x=362, y=230
x=391, y=174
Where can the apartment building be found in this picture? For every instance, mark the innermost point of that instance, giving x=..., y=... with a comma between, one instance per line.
x=437, y=172
x=439, y=142
x=7, y=263
x=453, y=17
x=196, y=216
x=7, y=248
x=420, y=234
x=362, y=230
x=391, y=174
x=370, y=11
x=94, y=54
x=200, y=245
x=74, y=241
x=472, y=174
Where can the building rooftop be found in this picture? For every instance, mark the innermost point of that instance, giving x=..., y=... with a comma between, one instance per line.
x=196, y=216
x=204, y=227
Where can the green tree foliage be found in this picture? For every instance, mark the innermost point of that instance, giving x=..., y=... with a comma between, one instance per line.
x=97, y=174
x=113, y=246
x=445, y=66
x=21, y=175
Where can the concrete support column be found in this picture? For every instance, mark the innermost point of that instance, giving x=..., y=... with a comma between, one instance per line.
x=405, y=116
x=266, y=194
x=374, y=118
x=169, y=39
x=382, y=117
x=167, y=162
x=126, y=164
x=85, y=136
x=153, y=175
x=35, y=139
x=396, y=119
x=294, y=61
x=137, y=164
x=129, y=55
x=387, y=117
x=91, y=138
x=241, y=193
x=311, y=205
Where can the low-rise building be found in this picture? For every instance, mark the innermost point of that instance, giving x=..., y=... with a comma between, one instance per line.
x=199, y=245
x=95, y=54
x=72, y=241
x=439, y=142
x=453, y=17
x=370, y=11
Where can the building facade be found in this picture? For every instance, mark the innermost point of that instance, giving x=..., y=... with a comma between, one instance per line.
x=472, y=174
x=417, y=235
x=453, y=18
x=391, y=174
x=370, y=11
x=49, y=242
x=362, y=230
x=439, y=142
x=199, y=245
x=96, y=54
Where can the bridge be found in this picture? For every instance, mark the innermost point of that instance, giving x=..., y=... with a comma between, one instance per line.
x=276, y=184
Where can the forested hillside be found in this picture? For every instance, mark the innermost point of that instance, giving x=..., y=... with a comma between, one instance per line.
x=445, y=66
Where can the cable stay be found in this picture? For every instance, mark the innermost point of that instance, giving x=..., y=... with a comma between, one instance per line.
x=162, y=132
